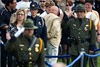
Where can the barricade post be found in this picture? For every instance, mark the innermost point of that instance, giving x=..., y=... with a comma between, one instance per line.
x=0, y=54
x=82, y=58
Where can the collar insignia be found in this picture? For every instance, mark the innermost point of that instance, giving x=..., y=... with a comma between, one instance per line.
x=21, y=45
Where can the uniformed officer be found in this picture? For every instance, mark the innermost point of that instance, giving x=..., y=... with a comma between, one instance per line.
x=28, y=49
x=39, y=22
x=82, y=35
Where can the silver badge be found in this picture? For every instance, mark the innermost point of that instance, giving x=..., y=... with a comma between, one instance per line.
x=87, y=25
x=33, y=5
x=39, y=23
x=74, y=24
x=85, y=28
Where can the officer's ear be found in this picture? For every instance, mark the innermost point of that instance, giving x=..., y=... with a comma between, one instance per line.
x=37, y=10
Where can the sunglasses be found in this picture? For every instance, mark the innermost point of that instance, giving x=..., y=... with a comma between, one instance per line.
x=68, y=5
x=43, y=1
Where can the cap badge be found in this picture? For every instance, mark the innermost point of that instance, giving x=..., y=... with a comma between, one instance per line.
x=33, y=5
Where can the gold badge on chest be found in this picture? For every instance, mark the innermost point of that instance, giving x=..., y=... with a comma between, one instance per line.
x=36, y=47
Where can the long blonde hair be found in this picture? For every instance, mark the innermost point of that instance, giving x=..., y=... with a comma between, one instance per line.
x=13, y=18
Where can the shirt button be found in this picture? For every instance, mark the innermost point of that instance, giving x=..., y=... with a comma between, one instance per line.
x=79, y=33
x=29, y=49
x=78, y=37
x=30, y=58
x=30, y=53
x=21, y=49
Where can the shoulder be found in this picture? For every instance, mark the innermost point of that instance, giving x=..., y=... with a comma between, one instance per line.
x=3, y=10
x=39, y=41
x=95, y=12
x=41, y=19
x=87, y=19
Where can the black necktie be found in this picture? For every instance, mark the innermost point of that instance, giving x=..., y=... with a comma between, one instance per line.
x=29, y=41
x=80, y=21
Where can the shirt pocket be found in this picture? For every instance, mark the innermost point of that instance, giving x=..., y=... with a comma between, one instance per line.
x=73, y=29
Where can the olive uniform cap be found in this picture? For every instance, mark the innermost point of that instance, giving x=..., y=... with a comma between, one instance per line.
x=80, y=7
x=29, y=24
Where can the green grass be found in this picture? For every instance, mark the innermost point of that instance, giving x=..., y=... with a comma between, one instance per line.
x=99, y=61
x=59, y=60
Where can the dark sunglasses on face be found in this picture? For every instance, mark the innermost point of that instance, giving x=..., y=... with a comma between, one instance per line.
x=42, y=1
x=68, y=5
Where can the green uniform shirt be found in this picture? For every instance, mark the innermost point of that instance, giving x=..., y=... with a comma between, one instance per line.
x=19, y=47
x=81, y=32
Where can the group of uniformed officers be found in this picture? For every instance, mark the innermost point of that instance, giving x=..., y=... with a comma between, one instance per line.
x=28, y=49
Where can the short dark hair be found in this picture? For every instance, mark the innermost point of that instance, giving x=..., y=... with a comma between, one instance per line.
x=9, y=1
x=90, y=1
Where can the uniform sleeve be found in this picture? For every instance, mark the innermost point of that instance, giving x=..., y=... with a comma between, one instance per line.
x=41, y=59
x=92, y=37
x=10, y=45
x=44, y=36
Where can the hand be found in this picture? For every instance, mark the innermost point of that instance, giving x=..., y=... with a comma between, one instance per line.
x=70, y=14
x=90, y=51
x=5, y=27
x=8, y=36
x=98, y=38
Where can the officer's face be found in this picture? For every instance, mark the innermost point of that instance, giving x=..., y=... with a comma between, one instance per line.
x=33, y=12
x=88, y=7
x=80, y=14
x=28, y=32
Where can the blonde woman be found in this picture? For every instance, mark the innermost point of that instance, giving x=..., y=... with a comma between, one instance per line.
x=14, y=26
